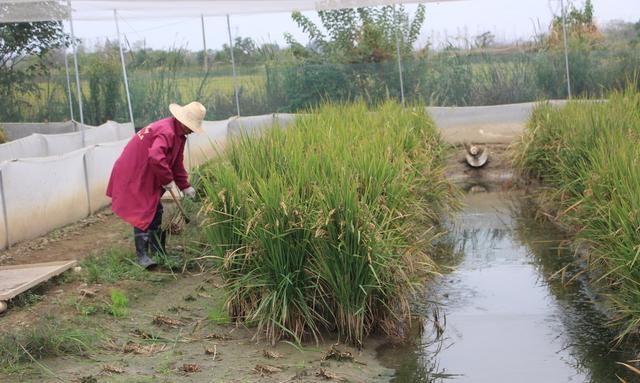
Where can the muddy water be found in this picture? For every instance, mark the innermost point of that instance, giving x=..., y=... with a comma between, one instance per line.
x=502, y=315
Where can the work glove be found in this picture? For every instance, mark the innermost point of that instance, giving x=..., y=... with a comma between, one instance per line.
x=170, y=186
x=189, y=192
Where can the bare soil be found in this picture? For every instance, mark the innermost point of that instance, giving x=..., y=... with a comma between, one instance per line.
x=76, y=241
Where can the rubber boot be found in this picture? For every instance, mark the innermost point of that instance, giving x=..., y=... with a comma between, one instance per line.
x=142, y=247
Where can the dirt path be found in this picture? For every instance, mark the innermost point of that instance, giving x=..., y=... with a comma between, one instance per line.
x=76, y=241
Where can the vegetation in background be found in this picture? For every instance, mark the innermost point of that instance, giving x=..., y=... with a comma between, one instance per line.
x=23, y=49
x=351, y=57
x=587, y=156
x=327, y=224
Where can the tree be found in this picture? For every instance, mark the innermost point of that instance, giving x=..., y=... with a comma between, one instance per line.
x=360, y=35
x=23, y=48
x=581, y=29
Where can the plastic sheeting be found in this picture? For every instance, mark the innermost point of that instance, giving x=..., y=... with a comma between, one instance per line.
x=99, y=161
x=482, y=124
x=33, y=146
x=39, y=145
x=42, y=10
x=201, y=147
x=17, y=130
x=256, y=124
x=42, y=194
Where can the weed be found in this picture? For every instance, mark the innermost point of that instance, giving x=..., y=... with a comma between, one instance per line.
x=218, y=315
x=119, y=304
x=113, y=265
x=48, y=338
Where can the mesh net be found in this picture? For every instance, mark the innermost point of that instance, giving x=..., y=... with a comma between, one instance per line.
x=33, y=10
x=22, y=10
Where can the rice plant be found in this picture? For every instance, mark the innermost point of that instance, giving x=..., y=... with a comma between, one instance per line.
x=587, y=154
x=326, y=225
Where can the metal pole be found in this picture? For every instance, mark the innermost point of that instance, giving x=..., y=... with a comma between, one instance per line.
x=566, y=53
x=204, y=43
x=75, y=63
x=66, y=69
x=124, y=68
x=233, y=67
x=5, y=213
x=395, y=9
x=86, y=181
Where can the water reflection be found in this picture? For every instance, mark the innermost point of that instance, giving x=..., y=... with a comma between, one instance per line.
x=514, y=308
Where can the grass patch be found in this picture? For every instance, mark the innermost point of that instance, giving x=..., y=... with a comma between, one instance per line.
x=218, y=314
x=587, y=156
x=113, y=265
x=119, y=304
x=325, y=225
x=49, y=338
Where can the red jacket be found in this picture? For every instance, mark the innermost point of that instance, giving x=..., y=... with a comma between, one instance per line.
x=152, y=158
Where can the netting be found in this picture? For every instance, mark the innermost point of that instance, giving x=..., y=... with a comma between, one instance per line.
x=93, y=10
x=442, y=79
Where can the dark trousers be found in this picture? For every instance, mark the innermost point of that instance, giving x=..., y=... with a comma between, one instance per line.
x=153, y=236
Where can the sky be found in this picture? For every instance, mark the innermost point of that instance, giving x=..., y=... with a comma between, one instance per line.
x=508, y=20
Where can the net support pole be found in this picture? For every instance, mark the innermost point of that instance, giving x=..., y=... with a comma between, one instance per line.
x=124, y=68
x=75, y=64
x=397, y=17
x=204, y=44
x=566, y=50
x=5, y=213
x=233, y=67
x=66, y=70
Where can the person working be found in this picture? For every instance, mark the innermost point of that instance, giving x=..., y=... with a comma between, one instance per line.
x=150, y=164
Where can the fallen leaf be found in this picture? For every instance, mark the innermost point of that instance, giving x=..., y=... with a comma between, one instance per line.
x=263, y=369
x=271, y=354
x=139, y=349
x=322, y=373
x=165, y=321
x=217, y=336
x=191, y=368
x=109, y=370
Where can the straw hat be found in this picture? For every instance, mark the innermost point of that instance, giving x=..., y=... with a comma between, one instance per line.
x=476, y=156
x=190, y=115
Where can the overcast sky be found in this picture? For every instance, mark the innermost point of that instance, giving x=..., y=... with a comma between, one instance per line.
x=506, y=19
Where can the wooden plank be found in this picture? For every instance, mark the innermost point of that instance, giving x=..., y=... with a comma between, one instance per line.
x=32, y=265
x=19, y=278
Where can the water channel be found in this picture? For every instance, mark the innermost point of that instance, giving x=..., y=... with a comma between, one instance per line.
x=508, y=309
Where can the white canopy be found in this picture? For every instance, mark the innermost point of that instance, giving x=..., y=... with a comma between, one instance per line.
x=42, y=10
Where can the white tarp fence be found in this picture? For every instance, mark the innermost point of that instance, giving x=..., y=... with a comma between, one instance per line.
x=44, y=145
x=41, y=194
x=38, y=195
